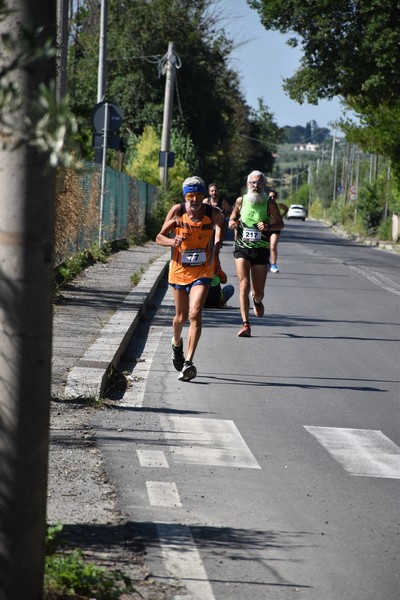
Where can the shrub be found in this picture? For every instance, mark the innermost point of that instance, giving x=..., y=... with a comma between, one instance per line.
x=69, y=575
x=370, y=204
x=316, y=210
x=384, y=231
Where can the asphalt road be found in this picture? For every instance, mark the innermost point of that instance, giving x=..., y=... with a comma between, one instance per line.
x=275, y=473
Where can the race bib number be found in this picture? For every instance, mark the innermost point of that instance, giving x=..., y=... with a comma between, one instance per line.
x=193, y=258
x=251, y=235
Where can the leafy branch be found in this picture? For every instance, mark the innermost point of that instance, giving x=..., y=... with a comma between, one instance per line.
x=38, y=119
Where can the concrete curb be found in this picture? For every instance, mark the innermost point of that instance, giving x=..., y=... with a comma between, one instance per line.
x=364, y=240
x=89, y=377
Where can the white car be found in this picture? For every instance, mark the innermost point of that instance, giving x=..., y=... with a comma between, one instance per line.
x=296, y=211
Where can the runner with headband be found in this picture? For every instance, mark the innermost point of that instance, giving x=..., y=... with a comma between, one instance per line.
x=194, y=256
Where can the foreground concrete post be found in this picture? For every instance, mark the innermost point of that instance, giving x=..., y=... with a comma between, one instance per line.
x=26, y=287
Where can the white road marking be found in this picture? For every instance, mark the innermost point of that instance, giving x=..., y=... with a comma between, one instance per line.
x=134, y=395
x=163, y=493
x=361, y=452
x=207, y=442
x=378, y=279
x=152, y=458
x=183, y=561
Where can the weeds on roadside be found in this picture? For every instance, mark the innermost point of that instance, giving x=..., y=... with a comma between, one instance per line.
x=138, y=238
x=68, y=575
x=137, y=275
x=71, y=267
x=90, y=399
x=384, y=231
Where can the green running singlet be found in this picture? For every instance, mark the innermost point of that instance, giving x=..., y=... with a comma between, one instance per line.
x=249, y=236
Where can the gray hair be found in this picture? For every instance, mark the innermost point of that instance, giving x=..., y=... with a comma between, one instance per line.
x=256, y=174
x=194, y=181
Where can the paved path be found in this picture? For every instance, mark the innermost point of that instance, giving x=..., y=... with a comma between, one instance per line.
x=101, y=303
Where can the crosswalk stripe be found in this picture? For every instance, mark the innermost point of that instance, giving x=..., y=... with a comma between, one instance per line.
x=183, y=561
x=214, y=442
x=163, y=493
x=152, y=458
x=361, y=452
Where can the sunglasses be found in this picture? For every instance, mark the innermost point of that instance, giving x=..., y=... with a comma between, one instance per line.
x=194, y=196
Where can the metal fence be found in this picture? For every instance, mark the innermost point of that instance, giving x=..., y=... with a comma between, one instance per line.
x=127, y=203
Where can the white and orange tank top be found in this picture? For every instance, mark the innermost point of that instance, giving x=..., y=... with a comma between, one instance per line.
x=193, y=259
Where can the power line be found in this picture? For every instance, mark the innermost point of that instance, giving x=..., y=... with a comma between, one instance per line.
x=178, y=97
x=253, y=139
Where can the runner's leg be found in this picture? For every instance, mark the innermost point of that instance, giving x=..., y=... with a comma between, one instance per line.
x=243, y=273
x=258, y=279
x=198, y=295
x=273, y=245
x=181, y=300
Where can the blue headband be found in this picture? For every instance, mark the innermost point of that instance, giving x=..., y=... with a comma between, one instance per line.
x=193, y=188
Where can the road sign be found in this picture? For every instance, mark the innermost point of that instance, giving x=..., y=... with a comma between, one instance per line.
x=166, y=159
x=113, y=141
x=115, y=117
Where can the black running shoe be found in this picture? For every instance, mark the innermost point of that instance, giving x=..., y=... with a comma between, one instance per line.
x=188, y=372
x=178, y=359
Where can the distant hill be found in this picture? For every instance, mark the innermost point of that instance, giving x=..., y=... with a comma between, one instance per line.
x=310, y=133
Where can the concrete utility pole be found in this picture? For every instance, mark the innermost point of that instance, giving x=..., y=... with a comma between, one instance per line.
x=101, y=71
x=27, y=191
x=62, y=48
x=333, y=148
x=168, y=102
x=101, y=75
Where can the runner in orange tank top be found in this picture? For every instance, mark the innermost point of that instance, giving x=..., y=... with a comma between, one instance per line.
x=194, y=253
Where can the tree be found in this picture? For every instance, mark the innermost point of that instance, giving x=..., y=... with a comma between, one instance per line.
x=294, y=135
x=378, y=132
x=350, y=49
x=370, y=204
x=144, y=164
x=209, y=108
x=27, y=125
x=324, y=186
x=137, y=39
x=264, y=129
x=302, y=196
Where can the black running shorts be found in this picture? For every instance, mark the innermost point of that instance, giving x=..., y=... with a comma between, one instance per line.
x=256, y=256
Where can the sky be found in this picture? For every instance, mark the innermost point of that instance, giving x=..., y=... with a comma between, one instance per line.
x=263, y=63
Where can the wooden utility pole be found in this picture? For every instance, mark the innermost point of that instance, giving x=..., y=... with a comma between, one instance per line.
x=27, y=193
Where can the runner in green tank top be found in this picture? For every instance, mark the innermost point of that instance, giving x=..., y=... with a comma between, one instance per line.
x=248, y=234
x=251, y=217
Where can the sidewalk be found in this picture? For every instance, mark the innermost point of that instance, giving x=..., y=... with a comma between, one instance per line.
x=97, y=315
